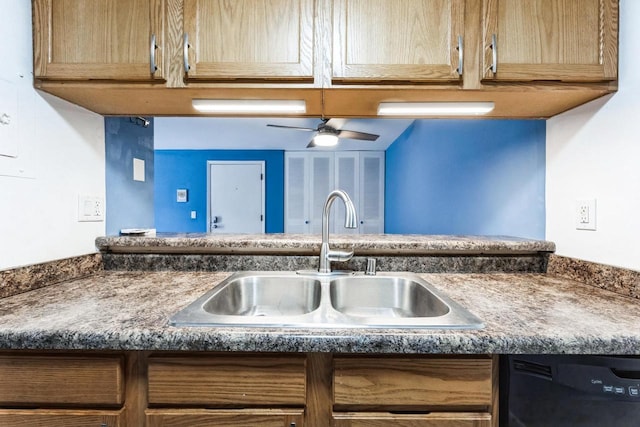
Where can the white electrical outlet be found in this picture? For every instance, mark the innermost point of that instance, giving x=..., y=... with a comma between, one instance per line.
x=90, y=208
x=586, y=214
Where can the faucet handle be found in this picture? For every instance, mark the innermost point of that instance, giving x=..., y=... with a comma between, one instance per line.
x=335, y=255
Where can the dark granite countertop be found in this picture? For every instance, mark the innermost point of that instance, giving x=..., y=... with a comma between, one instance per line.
x=299, y=244
x=523, y=313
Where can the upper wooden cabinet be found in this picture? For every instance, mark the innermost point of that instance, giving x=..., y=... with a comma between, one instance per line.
x=342, y=57
x=397, y=41
x=98, y=39
x=249, y=39
x=567, y=40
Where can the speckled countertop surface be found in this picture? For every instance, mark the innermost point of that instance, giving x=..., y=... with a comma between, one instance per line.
x=523, y=313
x=300, y=244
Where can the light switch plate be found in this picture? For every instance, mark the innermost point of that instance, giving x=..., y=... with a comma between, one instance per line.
x=181, y=195
x=138, y=170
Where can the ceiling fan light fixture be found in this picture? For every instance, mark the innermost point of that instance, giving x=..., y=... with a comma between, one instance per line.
x=325, y=140
x=250, y=106
x=434, y=108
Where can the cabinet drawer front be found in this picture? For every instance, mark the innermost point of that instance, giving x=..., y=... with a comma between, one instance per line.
x=444, y=419
x=227, y=418
x=59, y=418
x=61, y=380
x=412, y=382
x=227, y=381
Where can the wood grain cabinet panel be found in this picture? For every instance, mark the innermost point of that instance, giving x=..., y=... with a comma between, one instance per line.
x=60, y=418
x=425, y=383
x=61, y=381
x=443, y=419
x=98, y=39
x=227, y=381
x=397, y=41
x=227, y=418
x=250, y=40
x=567, y=40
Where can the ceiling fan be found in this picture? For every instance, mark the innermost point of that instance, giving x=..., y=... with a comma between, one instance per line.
x=328, y=132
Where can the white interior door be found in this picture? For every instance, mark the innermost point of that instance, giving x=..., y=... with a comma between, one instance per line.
x=236, y=197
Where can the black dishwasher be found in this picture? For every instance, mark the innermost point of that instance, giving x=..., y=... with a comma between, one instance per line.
x=569, y=390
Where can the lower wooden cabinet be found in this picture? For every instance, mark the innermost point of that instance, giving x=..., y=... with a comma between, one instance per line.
x=60, y=418
x=435, y=419
x=227, y=418
x=134, y=389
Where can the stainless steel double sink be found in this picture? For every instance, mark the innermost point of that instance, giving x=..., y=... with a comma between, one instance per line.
x=308, y=300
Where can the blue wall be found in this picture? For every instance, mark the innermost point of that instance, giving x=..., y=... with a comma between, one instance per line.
x=479, y=177
x=188, y=169
x=129, y=203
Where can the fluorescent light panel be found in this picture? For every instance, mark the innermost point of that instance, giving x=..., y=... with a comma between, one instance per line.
x=434, y=108
x=244, y=106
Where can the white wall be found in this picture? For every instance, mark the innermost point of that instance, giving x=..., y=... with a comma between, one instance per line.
x=594, y=152
x=60, y=154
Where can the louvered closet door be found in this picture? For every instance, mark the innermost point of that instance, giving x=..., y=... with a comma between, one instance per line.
x=322, y=184
x=371, y=193
x=347, y=178
x=296, y=193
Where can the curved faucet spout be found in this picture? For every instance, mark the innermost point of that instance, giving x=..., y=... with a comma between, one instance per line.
x=350, y=221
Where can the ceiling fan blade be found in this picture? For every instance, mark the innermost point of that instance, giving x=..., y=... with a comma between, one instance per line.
x=336, y=123
x=292, y=127
x=311, y=144
x=351, y=134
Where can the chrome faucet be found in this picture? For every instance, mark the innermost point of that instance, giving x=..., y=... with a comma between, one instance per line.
x=350, y=221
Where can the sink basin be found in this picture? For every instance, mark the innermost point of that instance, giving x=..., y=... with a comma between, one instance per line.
x=271, y=295
x=382, y=296
x=288, y=299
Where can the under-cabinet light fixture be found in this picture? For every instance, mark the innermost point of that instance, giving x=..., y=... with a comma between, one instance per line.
x=248, y=106
x=434, y=108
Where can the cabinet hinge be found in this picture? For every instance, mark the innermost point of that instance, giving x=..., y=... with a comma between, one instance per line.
x=261, y=218
x=261, y=177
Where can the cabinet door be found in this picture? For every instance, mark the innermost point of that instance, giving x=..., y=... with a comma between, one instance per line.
x=434, y=419
x=396, y=41
x=229, y=418
x=569, y=40
x=296, y=193
x=250, y=39
x=98, y=39
x=371, y=178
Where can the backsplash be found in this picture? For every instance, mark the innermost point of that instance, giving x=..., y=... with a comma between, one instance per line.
x=28, y=278
x=416, y=264
x=619, y=280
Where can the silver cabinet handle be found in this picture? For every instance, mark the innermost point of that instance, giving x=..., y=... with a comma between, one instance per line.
x=152, y=55
x=460, y=56
x=185, y=52
x=494, y=54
